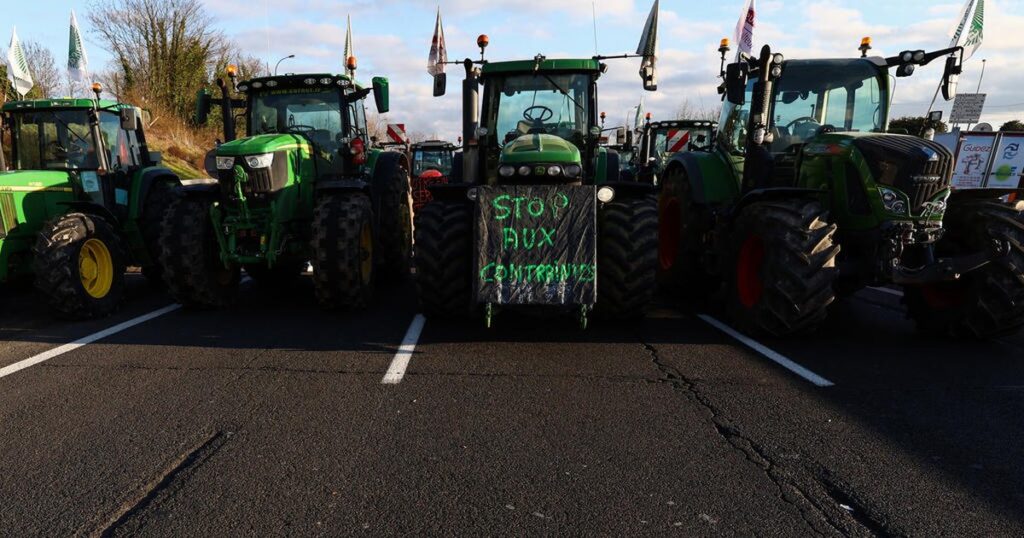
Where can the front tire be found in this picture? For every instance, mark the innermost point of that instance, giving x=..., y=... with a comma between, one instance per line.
x=343, y=251
x=444, y=249
x=626, y=257
x=158, y=199
x=984, y=304
x=781, y=266
x=190, y=257
x=79, y=266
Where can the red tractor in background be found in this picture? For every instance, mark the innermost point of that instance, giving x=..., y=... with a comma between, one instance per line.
x=433, y=162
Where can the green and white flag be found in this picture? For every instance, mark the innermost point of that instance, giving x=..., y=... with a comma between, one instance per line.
x=17, y=66
x=350, y=51
x=976, y=33
x=971, y=20
x=78, y=62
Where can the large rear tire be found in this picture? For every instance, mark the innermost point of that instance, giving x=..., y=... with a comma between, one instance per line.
x=444, y=249
x=158, y=199
x=395, y=233
x=680, y=270
x=343, y=251
x=626, y=257
x=79, y=266
x=781, y=266
x=190, y=257
x=987, y=303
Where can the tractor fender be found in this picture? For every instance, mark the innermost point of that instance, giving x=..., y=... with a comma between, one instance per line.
x=776, y=193
x=143, y=182
x=382, y=170
x=711, y=177
x=91, y=208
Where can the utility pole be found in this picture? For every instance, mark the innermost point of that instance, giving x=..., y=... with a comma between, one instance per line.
x=980, y=78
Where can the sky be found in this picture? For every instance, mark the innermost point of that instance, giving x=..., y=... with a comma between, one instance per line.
x=392, y=38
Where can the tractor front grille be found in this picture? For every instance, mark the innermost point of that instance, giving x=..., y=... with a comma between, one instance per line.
x=8, y=214
x=919, y=168
x=261, y=180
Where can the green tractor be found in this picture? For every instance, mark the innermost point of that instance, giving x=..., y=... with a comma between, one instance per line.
x=660, y=140
x=303, y=187
x=535, y=214
x=806, y=197
x=81, y=201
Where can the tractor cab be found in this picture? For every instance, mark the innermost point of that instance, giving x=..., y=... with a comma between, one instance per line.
x=660, y=140
x=433, y=155
x=539, y=121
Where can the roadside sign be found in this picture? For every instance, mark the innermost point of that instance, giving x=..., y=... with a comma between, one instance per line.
x=396, y=132
x=536, y=244
x=967, y=108
x=1007, y=162
x=972, y=160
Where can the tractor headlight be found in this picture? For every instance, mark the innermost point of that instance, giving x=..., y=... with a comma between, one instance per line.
x=554, y=170
x=894, y=202
x=260, y=161
x=506, y=171
x=605, y=194
x=524, y=170
x=573, y=170
x=225, y=163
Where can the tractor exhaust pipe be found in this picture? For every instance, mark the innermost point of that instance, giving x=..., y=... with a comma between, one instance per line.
x=470, y=123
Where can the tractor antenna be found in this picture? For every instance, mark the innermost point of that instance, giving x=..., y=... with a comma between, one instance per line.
x=593, y=10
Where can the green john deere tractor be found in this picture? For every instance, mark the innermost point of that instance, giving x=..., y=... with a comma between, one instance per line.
x=535, y=214
x=81, y=200
x=304, y=186
x=806, y=196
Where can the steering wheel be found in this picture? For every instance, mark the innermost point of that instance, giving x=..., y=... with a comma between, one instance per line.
x=801, y=122
x=304, y=129
x=545, y=114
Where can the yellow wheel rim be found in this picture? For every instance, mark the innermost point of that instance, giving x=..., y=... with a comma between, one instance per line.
x=366, y=254
x=96, y=268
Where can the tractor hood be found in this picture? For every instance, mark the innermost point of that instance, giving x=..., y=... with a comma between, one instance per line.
x=267, y=143
x=32, y=180
x=540, y=148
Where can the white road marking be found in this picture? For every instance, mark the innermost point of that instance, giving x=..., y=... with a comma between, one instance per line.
x=67, y=348
x=401, y=361
x=770, y=354
x=890, y=291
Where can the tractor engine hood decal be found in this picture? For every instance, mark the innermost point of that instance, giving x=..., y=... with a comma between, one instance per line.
x=540, y=148
x=34, y=180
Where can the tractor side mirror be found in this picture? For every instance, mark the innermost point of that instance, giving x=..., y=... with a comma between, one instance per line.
x=736, y=83
x=649, y=74
x=951, y=76
x=129, y=119
x=203, y=104
x=381, y=94
x=440, y=84
x=629, y=138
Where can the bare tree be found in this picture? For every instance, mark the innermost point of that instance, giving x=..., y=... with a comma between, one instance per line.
x=45, y=75
x=163, y=49
x=689, y=111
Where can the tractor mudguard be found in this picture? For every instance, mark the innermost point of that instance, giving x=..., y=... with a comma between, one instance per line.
x=91, y=208
x=775, y=193
x=383, y=166
x=710, y=175
x=142, y=183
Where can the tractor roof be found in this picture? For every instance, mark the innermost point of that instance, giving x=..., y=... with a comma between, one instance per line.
x=690, y=124
x=298, y=80
x=434, y=144
x=527, y=66
x=37, y=104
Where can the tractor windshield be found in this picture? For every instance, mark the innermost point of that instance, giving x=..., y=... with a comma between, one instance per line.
x=52, y=140
x=315, y=114
x=844, y=95
x=424, y=160
x=541, y=103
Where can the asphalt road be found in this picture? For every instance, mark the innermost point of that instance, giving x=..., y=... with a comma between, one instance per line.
x=271, y=418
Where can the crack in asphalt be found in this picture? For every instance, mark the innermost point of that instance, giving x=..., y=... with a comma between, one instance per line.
x=842, y=522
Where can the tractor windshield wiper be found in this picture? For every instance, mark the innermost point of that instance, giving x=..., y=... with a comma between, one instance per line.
x=564, y=92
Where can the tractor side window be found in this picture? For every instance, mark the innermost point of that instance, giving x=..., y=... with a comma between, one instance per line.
x=52, y=140
x=119, y=155
x=733, y=134
x=358, y=116
x=868, y=112
x=835, y=108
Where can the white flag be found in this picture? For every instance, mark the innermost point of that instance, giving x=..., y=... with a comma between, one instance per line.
x=965, y=15
x=438, y=49
x=17, y=66
x=976, y=33
x=78, y=62
x=744, y=35
x=350, y=51
x=638, y=121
